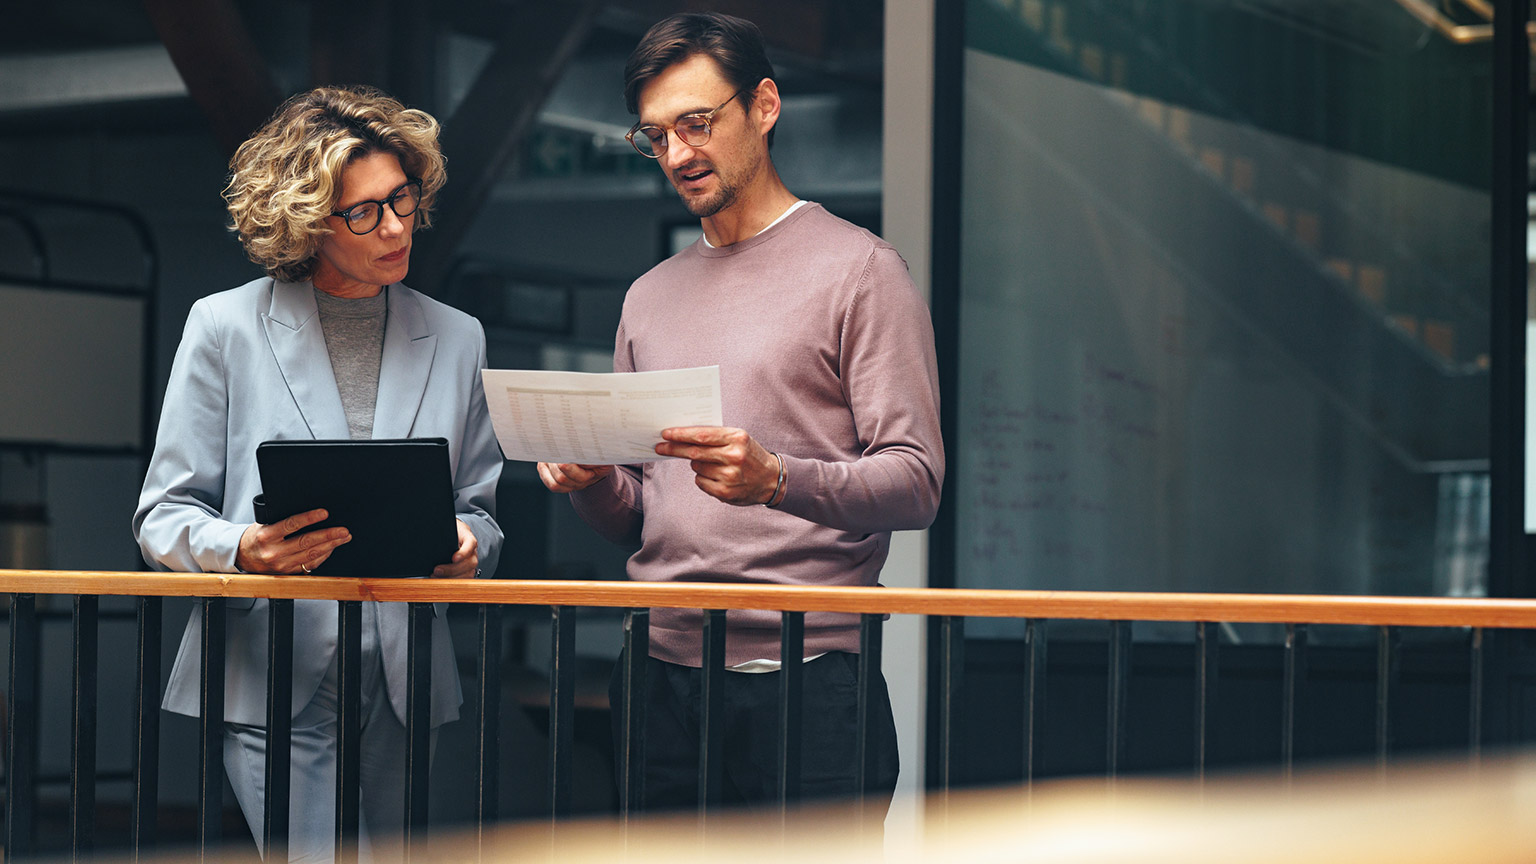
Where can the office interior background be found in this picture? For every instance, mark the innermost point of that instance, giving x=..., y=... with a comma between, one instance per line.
x=1230, y=296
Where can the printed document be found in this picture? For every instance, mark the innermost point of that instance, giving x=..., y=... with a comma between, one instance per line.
x=596, y=419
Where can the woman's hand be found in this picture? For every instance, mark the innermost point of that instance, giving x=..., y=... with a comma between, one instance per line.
x=275, y=548
x=465, y=563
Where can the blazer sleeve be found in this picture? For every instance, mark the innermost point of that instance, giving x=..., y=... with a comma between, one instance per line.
x=474, y=486
x=178, y=524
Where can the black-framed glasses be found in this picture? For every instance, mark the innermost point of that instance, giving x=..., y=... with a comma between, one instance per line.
x=693, y=129
x=364, y=216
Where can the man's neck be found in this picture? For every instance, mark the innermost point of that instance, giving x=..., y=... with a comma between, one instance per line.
x=753, y=211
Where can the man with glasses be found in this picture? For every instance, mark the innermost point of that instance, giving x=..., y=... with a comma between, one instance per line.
x=831, y=440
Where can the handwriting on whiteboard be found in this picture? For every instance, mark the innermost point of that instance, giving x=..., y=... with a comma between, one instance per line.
x=1054, y=459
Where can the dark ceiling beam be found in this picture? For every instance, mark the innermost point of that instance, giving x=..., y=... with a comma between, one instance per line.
x=800, y=26
x=217, y=59
x=348, y=42
x=483, y=135
x=413, y=53
x=389, y=45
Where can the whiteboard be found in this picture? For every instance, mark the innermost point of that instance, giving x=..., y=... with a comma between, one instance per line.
x=71, y=367
x=1123, y=423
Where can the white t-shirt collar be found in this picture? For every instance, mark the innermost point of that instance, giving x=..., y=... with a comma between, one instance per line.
x=792, y=208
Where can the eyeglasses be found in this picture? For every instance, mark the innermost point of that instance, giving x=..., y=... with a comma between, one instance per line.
x=364, y=216
x=693, y=129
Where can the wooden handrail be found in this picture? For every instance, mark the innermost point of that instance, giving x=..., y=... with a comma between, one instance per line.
x=1372, y=611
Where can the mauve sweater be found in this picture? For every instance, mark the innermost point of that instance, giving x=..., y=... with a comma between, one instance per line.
x=826, y=357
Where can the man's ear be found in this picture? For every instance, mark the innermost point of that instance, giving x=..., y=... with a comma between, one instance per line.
x=766, y=105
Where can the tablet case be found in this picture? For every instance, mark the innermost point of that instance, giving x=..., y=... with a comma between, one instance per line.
x=394, y=496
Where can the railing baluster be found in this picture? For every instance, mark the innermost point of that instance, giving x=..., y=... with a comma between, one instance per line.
x=562, y=709
x=868, y=769
x=349, y=710
x=1207, y=648
x=1475, y=696
x=791, y=708
x=1117, y=724
x=274, y=817
x=210, y=732
x=1388, y=664
x=82, y=750
x=146, y=726
x=418, y=728
x=870, y=649
x=487, y=726
x=712, y=712
x=1293, y=677
x=1034, y=695
x=21, y=740
x=631, y=757
x=951, y=684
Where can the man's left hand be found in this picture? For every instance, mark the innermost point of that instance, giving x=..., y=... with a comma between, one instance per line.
x=728, y=464
x=465, y=561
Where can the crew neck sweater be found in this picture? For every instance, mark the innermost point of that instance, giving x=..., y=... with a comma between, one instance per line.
x=826, y=357
x=354, y=338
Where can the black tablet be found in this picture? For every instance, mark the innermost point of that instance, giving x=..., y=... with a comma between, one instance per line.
x=394, y=496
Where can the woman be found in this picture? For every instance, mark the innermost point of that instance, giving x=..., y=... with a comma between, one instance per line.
x=329, y=344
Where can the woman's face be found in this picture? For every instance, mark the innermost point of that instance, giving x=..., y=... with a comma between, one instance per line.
x=353, y=265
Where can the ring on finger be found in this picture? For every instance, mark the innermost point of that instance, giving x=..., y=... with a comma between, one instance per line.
x=305, y=568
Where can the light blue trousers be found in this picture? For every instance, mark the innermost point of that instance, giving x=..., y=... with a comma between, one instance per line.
x=312, y=784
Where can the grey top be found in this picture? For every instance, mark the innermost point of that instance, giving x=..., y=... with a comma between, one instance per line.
x=354, y=337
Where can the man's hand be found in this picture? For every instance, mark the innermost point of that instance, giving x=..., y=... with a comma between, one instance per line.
x=570, y=478
x=274, y=549
x=728, y=464
x=466, y=559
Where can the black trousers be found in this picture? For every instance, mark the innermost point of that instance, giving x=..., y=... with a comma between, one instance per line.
x=672, y=701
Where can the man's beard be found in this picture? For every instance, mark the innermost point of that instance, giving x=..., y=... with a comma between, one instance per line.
x=726, y=195
x=704, y=208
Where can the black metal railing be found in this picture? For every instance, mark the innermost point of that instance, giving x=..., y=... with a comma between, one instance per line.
x=950, y=608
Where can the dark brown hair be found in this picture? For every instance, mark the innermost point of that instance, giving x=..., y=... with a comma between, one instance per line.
x=735, y=44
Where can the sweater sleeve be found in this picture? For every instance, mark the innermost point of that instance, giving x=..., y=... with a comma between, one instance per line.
x=177, y=523
x=890, y=381
x=614, y=506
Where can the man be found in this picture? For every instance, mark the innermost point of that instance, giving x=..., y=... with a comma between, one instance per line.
x=830, y=394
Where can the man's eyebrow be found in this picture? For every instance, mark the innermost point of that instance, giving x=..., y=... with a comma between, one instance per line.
x=681, y=114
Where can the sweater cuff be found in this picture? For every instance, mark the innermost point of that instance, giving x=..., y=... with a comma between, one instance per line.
x=800, y=480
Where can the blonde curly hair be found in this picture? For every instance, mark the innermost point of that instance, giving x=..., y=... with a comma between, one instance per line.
x=286, y=179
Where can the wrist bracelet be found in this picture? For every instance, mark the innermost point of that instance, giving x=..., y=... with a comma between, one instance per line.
x=777, y=497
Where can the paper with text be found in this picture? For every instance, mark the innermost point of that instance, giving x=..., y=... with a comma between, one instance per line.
x=596, y=419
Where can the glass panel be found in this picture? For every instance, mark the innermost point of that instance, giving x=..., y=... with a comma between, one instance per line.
x=1224, y=296
x=1530, y=334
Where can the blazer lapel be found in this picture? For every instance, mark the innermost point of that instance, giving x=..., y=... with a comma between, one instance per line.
x=293, y=331
x=407, y=364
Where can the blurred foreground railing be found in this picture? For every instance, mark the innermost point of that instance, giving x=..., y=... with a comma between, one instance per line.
x=948, y=607
x=1417, y=812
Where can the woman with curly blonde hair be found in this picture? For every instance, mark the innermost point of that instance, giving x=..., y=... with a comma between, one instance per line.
x=326, y=198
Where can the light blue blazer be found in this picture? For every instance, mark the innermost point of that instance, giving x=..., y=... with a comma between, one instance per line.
x=252, y=366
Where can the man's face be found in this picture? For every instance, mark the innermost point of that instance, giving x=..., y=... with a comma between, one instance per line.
x=709, y=178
